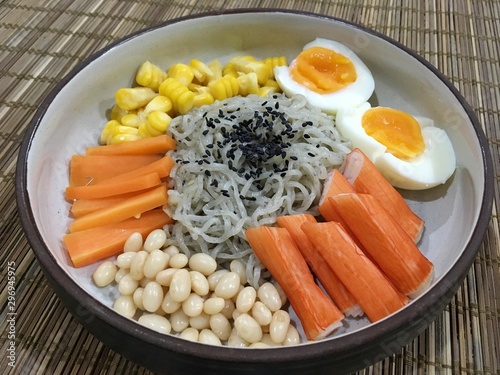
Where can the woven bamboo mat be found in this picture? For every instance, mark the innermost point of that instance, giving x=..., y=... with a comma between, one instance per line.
x=40, y=41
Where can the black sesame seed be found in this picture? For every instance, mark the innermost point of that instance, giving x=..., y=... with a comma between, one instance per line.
x=307, y=136
x=205, y=132
x=311, y=154
x=294, y=158
x=207, y=172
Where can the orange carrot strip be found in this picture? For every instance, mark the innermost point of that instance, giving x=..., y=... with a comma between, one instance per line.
x=124, y=210
x=333, y=286
x=81, y=207
x=89, y=246
x=102, y=190
x=162, y=167
x=85, y=169
x=374, y=293
x=277, y=250
x=364, y=176
x=147, y=146
x=387, y=243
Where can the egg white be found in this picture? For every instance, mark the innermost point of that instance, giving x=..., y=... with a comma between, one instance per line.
x=431, y=168
x=353, y=95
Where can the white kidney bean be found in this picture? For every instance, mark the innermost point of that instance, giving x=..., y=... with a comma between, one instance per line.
x=208, y=337
x=125, y=259
x=127, y=285
x=164, y=277
x=171, y=250
x=292, y=336
x=178, y=260
x=261, y=313
x=213, y=305
x=248, y=328
x=228, y=285
x=169, y=305
x=235, y=297
x=155, y=322
x=269, y=296
x=105, y=274
x=238, y=267
x=199, y=283
x=266, y=339
x=228, y=309
x=152, y=296
x=155, y=240
x=137, y=297
x=133, y=243
x=119, y=274
x=190, y=334
x=144, y=281
x=236, y=313
x=214, y=278
x=246, y=299
x=236, y=341
x=201, y=321
x=180, y=286
x=193, y=305
x=202, y=263
x=156, y=261
x=137, y=265
x=278, y=327
x=281, y=293
x=221, y=326
x=125, y=305
x=179, y=320
x=259, y=345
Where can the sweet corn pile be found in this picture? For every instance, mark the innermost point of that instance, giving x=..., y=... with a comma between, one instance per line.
x=168, y=292
x=146, y=110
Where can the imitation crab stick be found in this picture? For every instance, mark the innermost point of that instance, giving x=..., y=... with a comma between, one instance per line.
x=364, y=176
x=374, y=293
x=122, y=186
x=329, y=280
x=147, y=146
x=85, y=169
x=134, y=206
x=277, y=250
x=387, y=243
x=88, y=246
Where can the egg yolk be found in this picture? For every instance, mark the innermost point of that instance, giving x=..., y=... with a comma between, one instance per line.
x=323, y=70
x=395, y=129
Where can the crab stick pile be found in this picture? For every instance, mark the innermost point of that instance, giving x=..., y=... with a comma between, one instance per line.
x=116, y=190
x=362, y=250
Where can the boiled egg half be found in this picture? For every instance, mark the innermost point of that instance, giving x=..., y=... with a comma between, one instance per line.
x=408, y=150
x=328, y=74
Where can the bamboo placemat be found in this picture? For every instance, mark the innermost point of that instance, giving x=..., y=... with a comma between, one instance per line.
x=40, y=41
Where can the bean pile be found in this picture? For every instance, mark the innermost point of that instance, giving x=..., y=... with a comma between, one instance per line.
x=192, y=297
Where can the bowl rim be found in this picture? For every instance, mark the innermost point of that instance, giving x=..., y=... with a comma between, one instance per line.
x=439, y=292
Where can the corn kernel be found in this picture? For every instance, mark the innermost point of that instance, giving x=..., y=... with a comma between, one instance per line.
x=182, y=73
x=248, y=84
x=107, y=131
x=150, y=75
x=158, y=122
x=247, y=64
x=117, y=113
x=225, y=87
x=158, y=103
x=121, y=138
x=203, y=99
x=182, y=99
x=230, y=70
x=132, y=120
x=201, y=71
x=134, y=97
x=216, y=69
x=273, y=62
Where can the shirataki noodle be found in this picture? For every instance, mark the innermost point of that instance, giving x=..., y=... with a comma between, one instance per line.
x=243, y=162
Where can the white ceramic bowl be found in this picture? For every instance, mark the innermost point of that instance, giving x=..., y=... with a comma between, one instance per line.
x=72, y=117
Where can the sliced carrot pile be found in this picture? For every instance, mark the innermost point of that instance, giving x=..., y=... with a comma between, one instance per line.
x=364, y=176
x=147, y=146
x=277, y=250
x=85, y=169
x=374, y=293
x=386, y=242
x=91, y=245
x=329, y=280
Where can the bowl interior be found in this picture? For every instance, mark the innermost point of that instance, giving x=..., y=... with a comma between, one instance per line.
x=72, y=119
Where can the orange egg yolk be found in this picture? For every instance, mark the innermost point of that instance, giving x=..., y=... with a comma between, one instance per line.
x=395, y=129
x=323, y=70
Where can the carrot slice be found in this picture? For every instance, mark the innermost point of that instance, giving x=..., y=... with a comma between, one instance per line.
x=374, y=293
x=147, y=146
x=387, y=243
x=134, y=206
x=81, y=207
x=277, y=250
x=333, y=286
x=364, y=176
x=122, y=186
x=89, y=246
x=85, y=169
